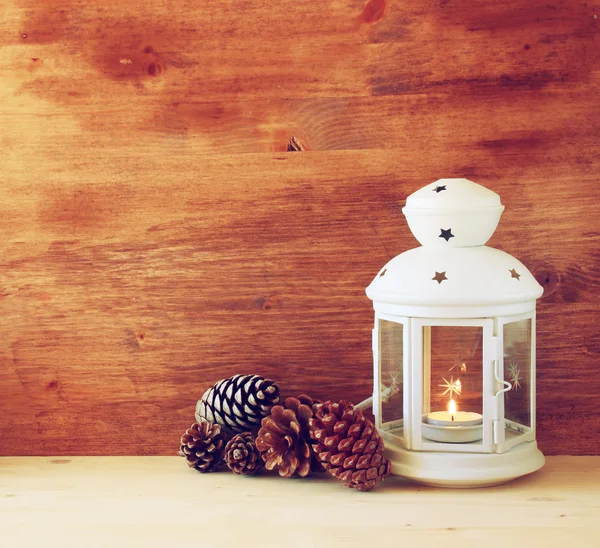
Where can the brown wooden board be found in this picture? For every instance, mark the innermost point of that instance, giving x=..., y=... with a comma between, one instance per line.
x=156, y=235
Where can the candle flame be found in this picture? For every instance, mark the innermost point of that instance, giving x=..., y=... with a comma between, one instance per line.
x=452, y=409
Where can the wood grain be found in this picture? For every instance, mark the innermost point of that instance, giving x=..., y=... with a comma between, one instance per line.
x=151, y=501
x=157, y=236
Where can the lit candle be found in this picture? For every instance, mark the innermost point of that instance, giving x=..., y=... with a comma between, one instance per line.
x=453, y=426
x=452, y=417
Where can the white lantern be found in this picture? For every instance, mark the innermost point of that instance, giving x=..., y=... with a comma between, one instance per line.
x=454, y=346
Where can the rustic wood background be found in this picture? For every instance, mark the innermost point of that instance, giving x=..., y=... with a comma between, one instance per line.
x=190, y=190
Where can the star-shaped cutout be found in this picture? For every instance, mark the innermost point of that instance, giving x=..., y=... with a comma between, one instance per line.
x=514, y=274
x=439, y=188
x=439, y=276
x=452, y=386
x=383, y=273
x=446, y=234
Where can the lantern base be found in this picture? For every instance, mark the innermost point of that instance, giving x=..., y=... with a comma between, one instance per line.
x=463, y=470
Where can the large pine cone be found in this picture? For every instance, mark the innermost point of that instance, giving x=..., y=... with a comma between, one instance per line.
x=242, y=455
x=202, y=446
x=284, y=438
x=348, y=445
x=239, y=403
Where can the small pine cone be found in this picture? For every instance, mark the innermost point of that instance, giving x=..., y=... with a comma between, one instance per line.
x=348, y=445
x=241, y=454
x=202, y=446
x=239, y=403
x=284, y=438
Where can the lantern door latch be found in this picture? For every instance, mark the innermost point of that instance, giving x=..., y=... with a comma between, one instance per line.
x=499, y=379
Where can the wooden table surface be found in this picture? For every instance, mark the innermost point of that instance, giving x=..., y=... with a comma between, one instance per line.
x=158, y=501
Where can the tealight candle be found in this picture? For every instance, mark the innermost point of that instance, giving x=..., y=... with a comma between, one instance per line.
x=452, y=417
x=453, y=426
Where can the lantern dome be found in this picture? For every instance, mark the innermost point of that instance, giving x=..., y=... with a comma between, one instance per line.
x=471, y=210
x=454, y=274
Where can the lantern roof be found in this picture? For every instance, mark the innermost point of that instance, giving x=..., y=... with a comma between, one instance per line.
x=453, y=274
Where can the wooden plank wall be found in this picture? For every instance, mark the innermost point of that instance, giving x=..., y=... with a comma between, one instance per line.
x=157, y=235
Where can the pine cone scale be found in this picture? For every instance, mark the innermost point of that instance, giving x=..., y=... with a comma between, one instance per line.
x=350, y=462
x=364, y=461
x=345, y=444
x=304, y=468
x=337, y=459
x=345, y=475
x=340, y=427
x=319, y=433
x=304, y=413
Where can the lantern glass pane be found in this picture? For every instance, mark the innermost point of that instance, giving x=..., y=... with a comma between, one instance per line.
x=517, y=372
x=391, y=337
x=453, y=383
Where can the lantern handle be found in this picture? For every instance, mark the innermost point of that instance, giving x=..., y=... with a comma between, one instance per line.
x=499, y=379
x=365, y=404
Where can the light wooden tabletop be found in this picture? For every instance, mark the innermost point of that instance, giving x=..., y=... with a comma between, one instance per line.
x=158, y=501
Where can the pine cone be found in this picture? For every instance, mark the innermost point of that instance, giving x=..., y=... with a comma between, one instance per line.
x=239, y=403
x=348, y=445
x=202, y=446
x=284, y=438
x=241, y=454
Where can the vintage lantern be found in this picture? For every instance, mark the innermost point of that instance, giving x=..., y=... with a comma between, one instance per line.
x=454, y=346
